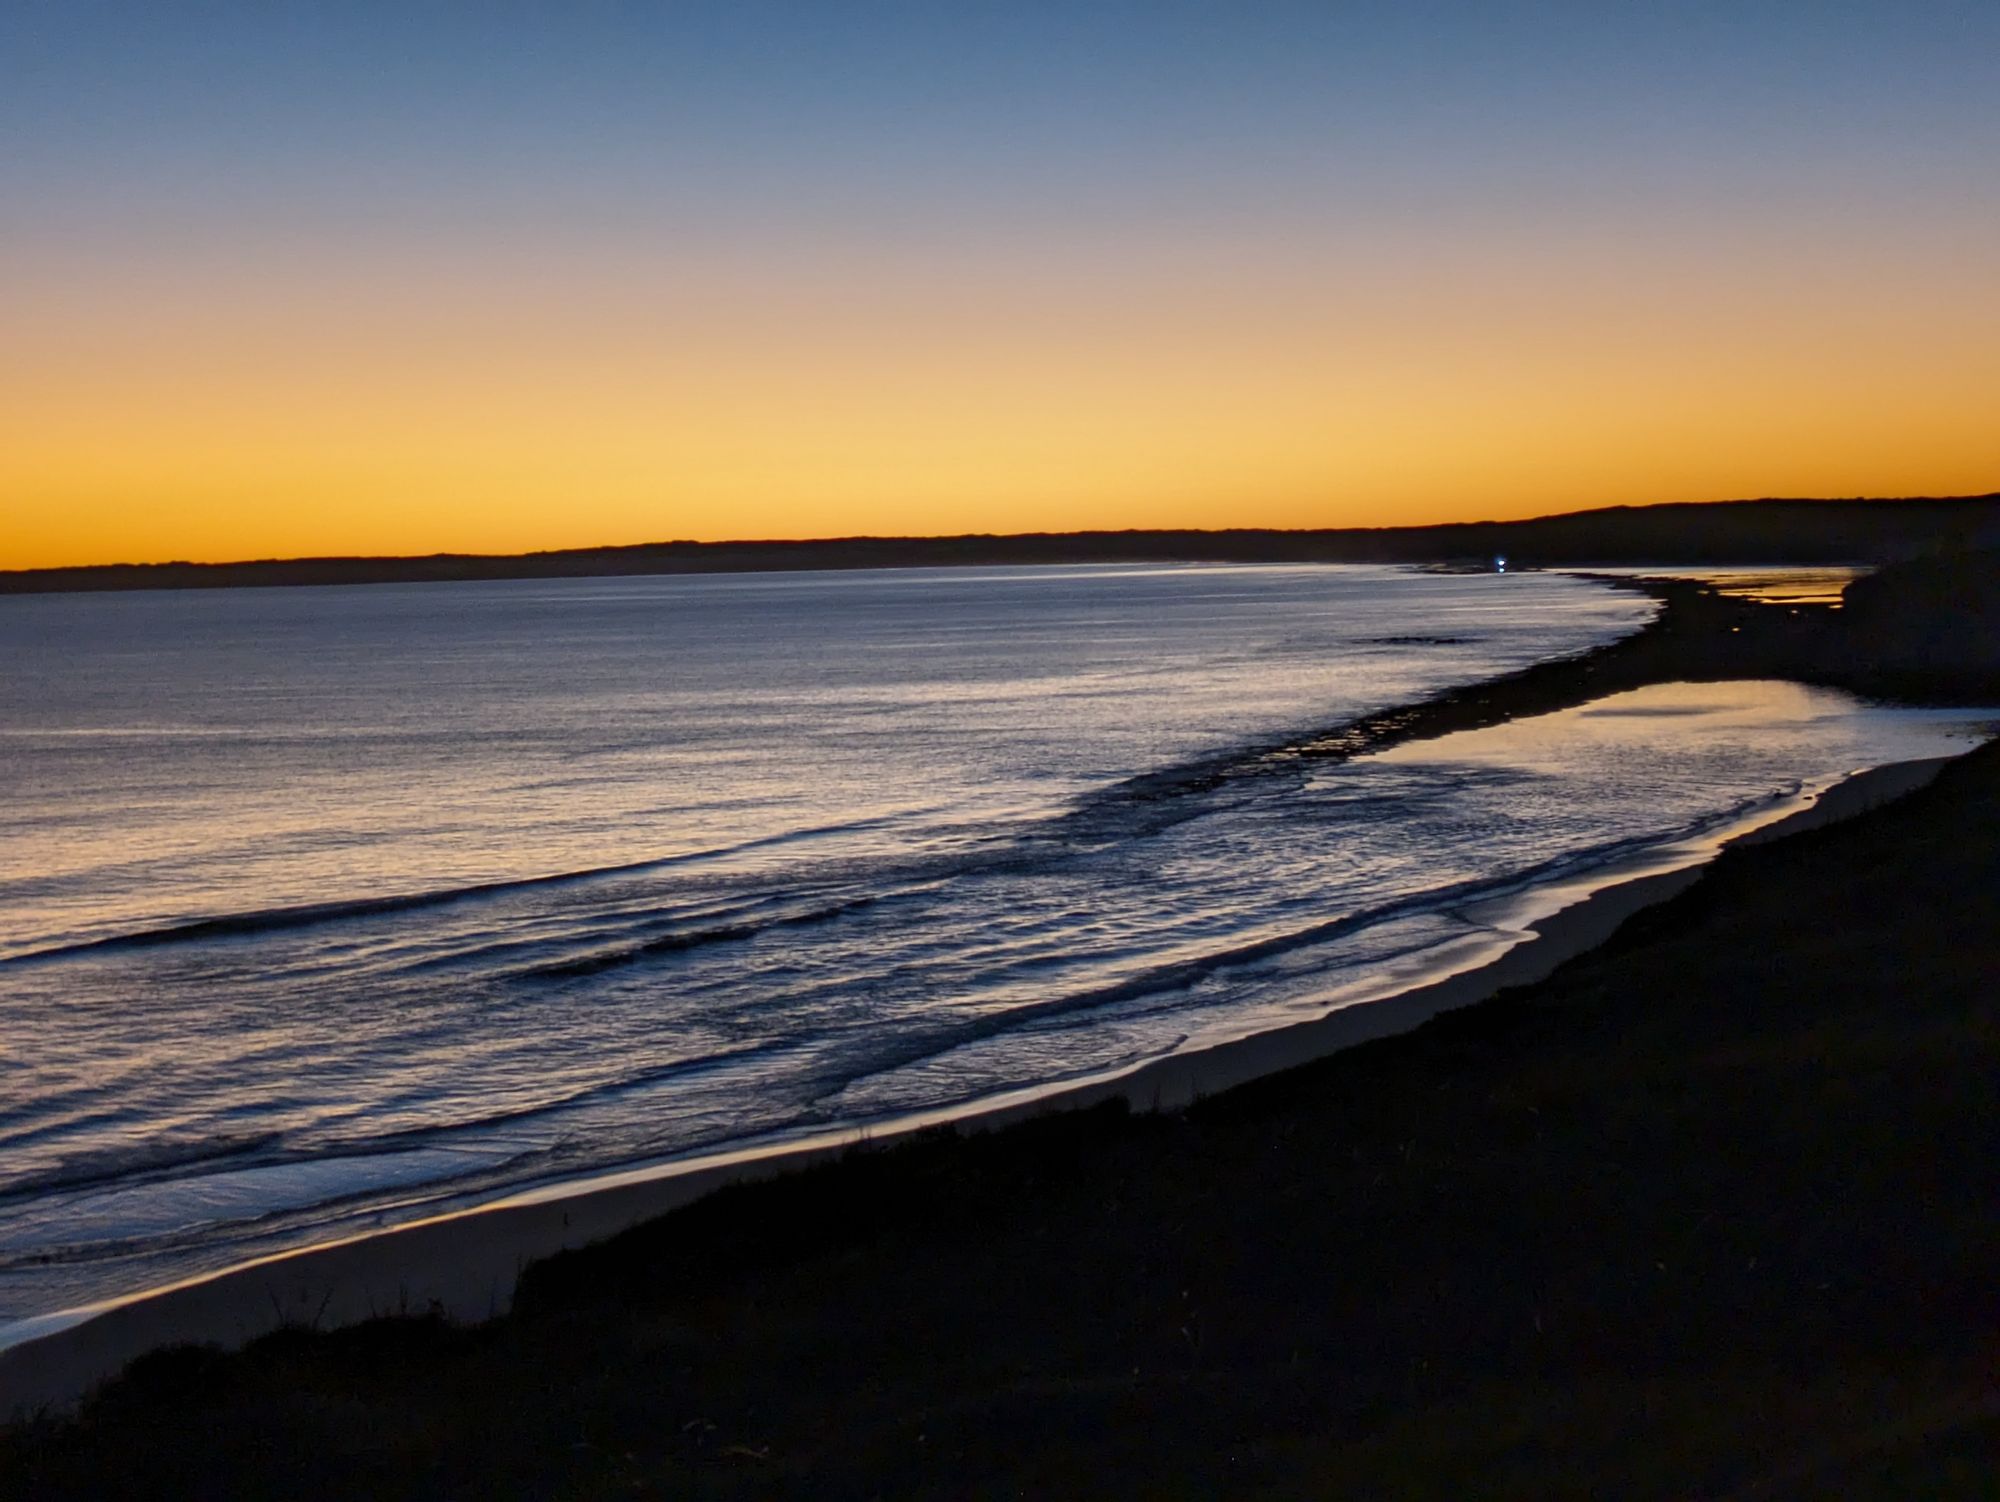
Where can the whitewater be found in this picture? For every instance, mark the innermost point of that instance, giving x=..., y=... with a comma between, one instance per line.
x=327, y=909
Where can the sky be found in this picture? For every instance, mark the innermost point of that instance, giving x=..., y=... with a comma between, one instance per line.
x=287, y=279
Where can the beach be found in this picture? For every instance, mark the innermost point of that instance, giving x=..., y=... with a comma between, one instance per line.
x=1110, y=1196
x=464, y=1267
x=1710, y=1203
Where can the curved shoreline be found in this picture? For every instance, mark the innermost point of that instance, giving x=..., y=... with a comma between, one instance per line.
x=465, y=1264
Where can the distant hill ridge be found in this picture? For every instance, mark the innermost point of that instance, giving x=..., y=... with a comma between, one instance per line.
x=1686, y=533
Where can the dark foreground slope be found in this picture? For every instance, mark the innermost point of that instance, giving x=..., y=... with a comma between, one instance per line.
x=1766, y=531
x=1711, y=1212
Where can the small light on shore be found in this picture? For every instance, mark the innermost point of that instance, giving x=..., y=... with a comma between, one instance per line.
x=1499, y=563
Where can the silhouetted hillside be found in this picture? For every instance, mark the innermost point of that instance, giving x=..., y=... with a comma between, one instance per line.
x=1765, y=531
x=1940, y=613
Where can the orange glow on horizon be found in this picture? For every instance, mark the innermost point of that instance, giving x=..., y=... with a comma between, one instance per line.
x=388, y=411
x=289, y=281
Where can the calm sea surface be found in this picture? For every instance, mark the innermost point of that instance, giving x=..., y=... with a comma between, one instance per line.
x=324, y=908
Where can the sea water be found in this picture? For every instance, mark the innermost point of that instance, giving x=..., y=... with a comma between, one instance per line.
x=326, y=908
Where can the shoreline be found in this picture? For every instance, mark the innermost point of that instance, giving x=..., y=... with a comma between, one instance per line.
x=465, y=1264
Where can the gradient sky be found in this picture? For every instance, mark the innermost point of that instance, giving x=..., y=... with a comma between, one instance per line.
x=286, y=279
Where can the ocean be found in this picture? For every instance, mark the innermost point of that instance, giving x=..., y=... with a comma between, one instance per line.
x=325, y=909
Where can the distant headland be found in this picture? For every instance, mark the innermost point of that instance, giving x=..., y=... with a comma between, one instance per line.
x=1772, y=530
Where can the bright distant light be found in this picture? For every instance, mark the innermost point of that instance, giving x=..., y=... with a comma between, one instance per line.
x=1499, y=563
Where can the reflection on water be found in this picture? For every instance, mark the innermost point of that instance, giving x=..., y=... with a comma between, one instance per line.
x=1821, y=585
x=377, y=901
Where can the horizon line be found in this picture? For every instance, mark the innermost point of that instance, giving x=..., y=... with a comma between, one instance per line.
x=852, y=539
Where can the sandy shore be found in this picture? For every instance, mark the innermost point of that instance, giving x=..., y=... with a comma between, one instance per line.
x=466, y=1265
